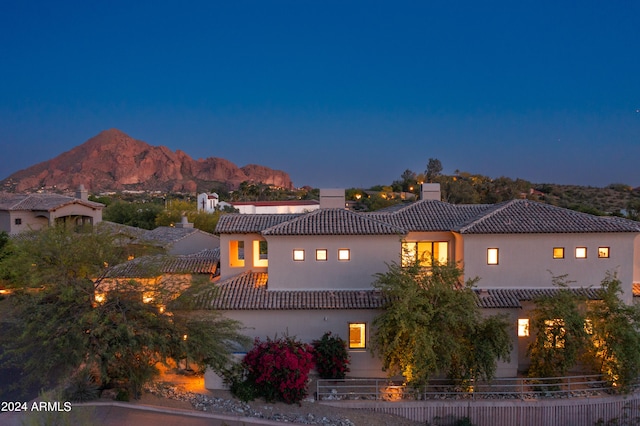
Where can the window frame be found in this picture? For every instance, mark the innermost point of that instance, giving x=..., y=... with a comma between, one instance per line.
x=342, y=251
x=582, y=249
x=524, y=327
x=410, y=252
x=490, y=256
x=319, y=258
x=296, y=258
x=604, y=250
x=560, y=250
x=363, y=336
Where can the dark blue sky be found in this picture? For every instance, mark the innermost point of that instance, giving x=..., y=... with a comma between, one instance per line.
x=336, y=93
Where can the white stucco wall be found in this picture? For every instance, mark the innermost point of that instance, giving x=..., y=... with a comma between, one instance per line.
x=369, y=255
x=526, y=260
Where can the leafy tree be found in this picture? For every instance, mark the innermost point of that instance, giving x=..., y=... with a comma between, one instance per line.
x=434, y=169
x=432, y=325
x=615, y=338
x=140, y=215
x=558, y=326
x=64, y=329
x=331, y=357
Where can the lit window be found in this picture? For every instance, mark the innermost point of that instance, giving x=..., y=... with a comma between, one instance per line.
x=298, y=254
x=260, y=254
x=523, y=327
x=588, y=326
x=344, y=254
x=425, y=252
x=554, y=333
x=558, y=252
x=321, y=254
x=357, y=335
x=236, y=254
x=492, y=256
x=581, y=252
x=603, y=252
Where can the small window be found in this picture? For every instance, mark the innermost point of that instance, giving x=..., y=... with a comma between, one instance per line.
x=236, y=253
x=321, y=254
x=523, y=327
x=18, y=221
x=357, y=335
x=492, y=256
x=603, y=252
x=298, y=255
x=344, y=254
x=260, y=254
x=558, y=252
x=581, y=252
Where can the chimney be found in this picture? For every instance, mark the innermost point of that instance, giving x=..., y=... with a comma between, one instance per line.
x=430, y=191
x=184, y=223
x=82, y=193
x=333, y=198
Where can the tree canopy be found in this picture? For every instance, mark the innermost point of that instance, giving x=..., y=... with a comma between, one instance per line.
x=63, y=330
x=433, y=325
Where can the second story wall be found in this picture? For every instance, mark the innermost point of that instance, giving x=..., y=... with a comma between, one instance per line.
x=242, y=252
x=329, y=261
x=531, y=260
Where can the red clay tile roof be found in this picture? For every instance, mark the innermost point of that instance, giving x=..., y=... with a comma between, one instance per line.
x=46, y=202
x=248, y=291
x=237, y=223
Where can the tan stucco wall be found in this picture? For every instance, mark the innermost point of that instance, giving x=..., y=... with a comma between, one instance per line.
x=226, y=270
x=369, y=255
x=526, y=260
x=310, y=325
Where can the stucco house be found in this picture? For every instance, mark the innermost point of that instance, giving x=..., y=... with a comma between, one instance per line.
x=305, y=274
x=181, y=239
x=24, y=212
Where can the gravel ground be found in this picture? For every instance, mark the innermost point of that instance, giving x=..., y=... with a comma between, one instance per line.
x=308, y=412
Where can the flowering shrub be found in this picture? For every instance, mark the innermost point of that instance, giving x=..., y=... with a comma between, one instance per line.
x=279, y=369
x=331, y=357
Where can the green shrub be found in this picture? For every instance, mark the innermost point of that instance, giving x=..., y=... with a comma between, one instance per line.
x=331, y=357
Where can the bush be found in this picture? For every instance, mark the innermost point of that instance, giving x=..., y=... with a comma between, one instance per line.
x=278, y=369
x=331, y=357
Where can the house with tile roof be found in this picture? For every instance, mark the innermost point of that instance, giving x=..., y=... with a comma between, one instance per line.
x=24, y=212
x=181, y=239
x=309, y=273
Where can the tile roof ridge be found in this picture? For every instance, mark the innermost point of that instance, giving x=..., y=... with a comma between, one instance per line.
x=485, y=215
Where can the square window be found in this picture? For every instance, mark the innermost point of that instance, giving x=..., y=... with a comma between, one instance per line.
x=603, y=252
x=18, y=221
x=523, y=327
x=344, y=254
x=558, y=252
x=357, y=335
x=321, y=254
x=581, y=252
x=492, y=256
x=298, y=255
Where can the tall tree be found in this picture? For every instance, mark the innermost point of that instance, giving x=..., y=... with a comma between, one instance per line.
x=64, y=327
x=433, y=325
x=434, y=169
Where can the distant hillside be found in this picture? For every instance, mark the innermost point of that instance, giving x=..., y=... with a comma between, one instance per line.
x=113, y=161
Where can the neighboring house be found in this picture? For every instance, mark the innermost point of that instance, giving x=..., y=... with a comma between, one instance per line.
x=182, y=238
x=24, y=212
x=305, y=274
x=276, y=207
x=160, y=276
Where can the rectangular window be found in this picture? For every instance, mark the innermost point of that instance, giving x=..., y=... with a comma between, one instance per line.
x=236, y=253
x=581, y=252
x=298, y=255
x=344, y=254
x=18, y=221
x=321, y=254
x=425, y=253
x=492, y=256
x=523, y=327
x=260, y=254
x=357, y=335
x=558, y=252
x=603, y=252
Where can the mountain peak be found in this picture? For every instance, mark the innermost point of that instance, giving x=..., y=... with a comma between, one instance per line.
x=113, y=160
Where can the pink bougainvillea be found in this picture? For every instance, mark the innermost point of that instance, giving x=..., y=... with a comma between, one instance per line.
x=279, y=368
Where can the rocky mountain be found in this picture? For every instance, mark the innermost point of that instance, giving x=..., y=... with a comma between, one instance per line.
x=113, y=161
